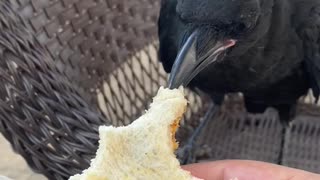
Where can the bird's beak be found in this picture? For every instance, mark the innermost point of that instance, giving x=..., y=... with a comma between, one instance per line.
x=187, y=65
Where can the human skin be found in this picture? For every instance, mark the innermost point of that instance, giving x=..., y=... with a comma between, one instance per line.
x=247, y=170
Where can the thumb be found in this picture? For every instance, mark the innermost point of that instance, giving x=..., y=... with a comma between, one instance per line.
x=247, y=170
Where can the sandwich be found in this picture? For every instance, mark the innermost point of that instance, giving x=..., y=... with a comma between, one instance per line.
x=143, y=150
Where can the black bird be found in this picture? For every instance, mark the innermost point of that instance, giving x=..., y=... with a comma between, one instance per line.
x=267, y=49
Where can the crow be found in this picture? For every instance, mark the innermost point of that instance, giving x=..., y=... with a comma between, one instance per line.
x=267, y=49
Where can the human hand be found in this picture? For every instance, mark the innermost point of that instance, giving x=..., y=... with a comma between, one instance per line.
x=247, y=170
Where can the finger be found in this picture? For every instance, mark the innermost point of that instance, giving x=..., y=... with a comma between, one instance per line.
x=247, y=170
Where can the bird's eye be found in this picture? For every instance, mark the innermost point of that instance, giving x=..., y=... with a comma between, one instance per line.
x=240, y=27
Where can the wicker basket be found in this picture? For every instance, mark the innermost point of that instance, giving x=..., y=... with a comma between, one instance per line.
x=68, y=66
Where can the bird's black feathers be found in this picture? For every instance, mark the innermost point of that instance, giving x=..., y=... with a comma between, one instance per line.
x=168, y=35
x=309, y=31
x=277, y=55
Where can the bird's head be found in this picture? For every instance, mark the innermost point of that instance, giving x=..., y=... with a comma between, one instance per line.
x=215, y=28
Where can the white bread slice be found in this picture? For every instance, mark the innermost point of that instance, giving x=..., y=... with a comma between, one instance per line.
x=143, y=150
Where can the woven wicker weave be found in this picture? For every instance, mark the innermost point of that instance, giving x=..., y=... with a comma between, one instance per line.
x=68, y=66
x=61, y=61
